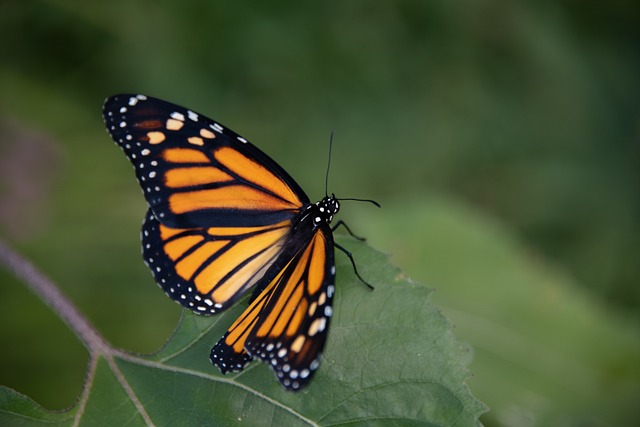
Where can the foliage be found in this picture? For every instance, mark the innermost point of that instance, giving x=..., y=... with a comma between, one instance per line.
x=391, y=358
x=543, y=351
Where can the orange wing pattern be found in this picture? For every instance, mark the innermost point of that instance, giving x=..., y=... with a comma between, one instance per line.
x=196, y=173
x=208, y=269
x=286, y=325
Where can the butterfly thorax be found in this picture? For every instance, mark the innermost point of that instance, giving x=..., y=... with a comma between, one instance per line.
x=318, y=213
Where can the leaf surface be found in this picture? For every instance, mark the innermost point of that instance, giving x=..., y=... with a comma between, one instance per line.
x=391, y=358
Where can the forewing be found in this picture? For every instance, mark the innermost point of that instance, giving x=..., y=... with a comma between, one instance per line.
x=196, y=173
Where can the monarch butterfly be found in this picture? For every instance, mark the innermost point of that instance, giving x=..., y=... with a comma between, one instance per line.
x=223, y=218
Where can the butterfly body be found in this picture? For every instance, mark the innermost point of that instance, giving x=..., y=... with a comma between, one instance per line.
x=223, y=219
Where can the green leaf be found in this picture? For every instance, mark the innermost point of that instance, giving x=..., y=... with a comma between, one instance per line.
x=545, y=351
x=391, y=358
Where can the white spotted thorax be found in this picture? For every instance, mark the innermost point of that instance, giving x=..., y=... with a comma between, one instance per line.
x=321, y=212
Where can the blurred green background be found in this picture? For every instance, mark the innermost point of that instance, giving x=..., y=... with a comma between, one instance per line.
x=513, y=126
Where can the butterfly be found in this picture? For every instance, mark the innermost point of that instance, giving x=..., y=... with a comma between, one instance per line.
x=224, y=218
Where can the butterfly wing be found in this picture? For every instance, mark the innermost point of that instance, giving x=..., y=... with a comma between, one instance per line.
x=207, y=269
x=219, y=208
x=196, y=173
x=286, y=324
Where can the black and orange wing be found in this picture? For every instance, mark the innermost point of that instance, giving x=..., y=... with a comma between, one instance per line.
x=286, y=324
x=220, y=209
x=196, y=173
x=207, y=269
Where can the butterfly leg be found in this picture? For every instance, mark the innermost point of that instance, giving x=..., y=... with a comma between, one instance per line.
x=353, y=263
x=342, y=223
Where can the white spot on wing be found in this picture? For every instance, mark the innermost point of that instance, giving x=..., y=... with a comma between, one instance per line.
x=177, y=116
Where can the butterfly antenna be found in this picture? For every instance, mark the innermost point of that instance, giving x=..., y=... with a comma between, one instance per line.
x=326, y=178
x=373, y=202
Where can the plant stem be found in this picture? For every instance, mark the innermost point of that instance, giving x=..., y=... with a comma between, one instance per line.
x=49, y=293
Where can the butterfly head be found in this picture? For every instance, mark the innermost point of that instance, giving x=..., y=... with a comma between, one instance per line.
x=325, y=209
